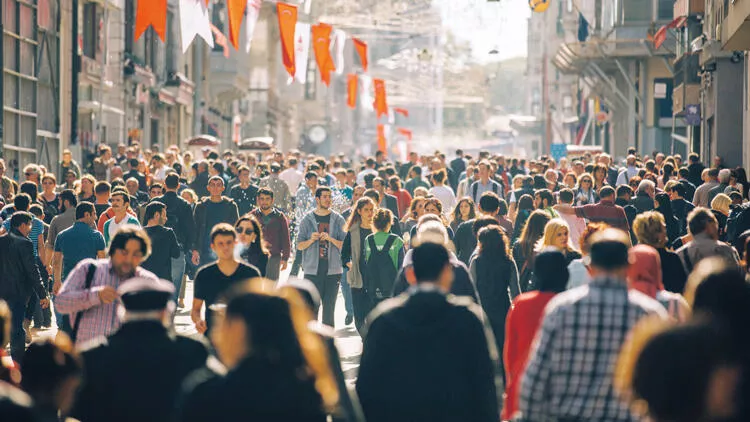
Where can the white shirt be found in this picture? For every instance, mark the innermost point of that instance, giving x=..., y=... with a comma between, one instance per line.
x=363, y=173
x=160, y=174
x=292, y=178
x=446, y=197
x=114, y=225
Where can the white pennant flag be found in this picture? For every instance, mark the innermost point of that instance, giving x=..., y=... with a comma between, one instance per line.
x=340, y=37
x=366, y=94
x=253, y=11
x=301, y=51
x=194, y=20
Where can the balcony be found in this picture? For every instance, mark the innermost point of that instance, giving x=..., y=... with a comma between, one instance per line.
x=684, y=95
x=689, y=8
x=736, y=26
x=230, y=76
x=686, y=69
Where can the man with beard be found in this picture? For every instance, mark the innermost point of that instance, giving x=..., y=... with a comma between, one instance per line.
x=120, y=202
x=208, y=213
x=275, y=232
x=89, y=294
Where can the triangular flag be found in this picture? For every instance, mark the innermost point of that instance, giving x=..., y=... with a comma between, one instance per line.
x=287, y=14
x=321, y=38
x=151, y=13
x=351, y=90
x=361, y=48
x=340, y=38
x=381, y=103
x=220, y=40
x=382, y=142
x=253, y=11
x=235, y=12
x=194, y=20
x=404, y=112
x=301, y=51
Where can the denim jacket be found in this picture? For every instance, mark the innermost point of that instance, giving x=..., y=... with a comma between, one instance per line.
x=310, y=255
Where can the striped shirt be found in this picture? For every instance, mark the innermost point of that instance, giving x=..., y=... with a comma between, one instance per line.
x=37, y=228
x=570, y=371
x=98, y=319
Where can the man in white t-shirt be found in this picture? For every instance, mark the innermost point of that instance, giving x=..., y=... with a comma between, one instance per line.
x=292, y=176
x=369, y=169
x=160, y=169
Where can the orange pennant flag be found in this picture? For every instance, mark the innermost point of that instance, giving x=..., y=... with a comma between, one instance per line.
x=402, y=111
x=351, y=89
x=321, y=36
x=287, y=14
x=406, y=132
x=151, y=13
x=381, y=103
x=235, y=11
x=382, y=143
x=361, y=48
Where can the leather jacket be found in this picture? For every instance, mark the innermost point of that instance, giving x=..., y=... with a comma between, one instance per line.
x=20, y=274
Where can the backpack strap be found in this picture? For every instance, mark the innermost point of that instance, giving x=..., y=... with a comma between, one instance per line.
x=90, y=272
x=372, y=245
x=389, y=242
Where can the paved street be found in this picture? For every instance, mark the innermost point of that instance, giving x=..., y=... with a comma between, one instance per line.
x=347, y=338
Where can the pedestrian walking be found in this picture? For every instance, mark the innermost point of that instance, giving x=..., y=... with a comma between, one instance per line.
x=524, y=249
x=214, y=279
x=89, y=293
x=120, y=203
x=644, y=275
x=275, y=233
x=321, y=236
x=251, y=247
x=428, y=322
x=208, y=213
x=524, y=319
x=281, y=192
x=180, y=220
x=705, y=243
x=20, y=281
x=245, y=192
x=147, y=360
x=73, y=245
x=159, y=261
x=611, y=311
x=357, y=228
x=383, y=258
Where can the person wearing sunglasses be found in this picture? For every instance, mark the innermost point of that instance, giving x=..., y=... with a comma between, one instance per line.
x=251, y=248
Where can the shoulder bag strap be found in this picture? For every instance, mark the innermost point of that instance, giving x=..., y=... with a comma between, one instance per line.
x=90, y=272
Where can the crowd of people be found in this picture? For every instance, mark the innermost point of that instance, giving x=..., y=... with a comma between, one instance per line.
x=484, y=288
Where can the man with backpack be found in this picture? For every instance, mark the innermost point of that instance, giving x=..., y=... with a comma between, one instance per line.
x=485, y=183
x=384, y=256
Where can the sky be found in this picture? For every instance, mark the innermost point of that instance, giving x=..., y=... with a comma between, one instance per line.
x=489, y=25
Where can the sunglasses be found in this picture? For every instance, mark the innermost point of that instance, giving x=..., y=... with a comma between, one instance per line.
x=246, y=231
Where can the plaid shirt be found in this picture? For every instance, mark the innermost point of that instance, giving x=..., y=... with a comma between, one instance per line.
x=571, y=368
x=98, y=319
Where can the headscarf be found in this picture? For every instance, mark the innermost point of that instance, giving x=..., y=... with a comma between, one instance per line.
x=644, y=273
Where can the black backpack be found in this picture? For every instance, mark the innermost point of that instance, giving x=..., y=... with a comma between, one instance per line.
x=380, y=273
x=737, y=223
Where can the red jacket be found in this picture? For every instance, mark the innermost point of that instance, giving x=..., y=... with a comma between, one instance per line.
x=521, y=325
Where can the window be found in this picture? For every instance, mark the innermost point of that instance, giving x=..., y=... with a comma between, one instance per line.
x=129, y=26
x=636, y=11
x=90, y=30
x=666, y=10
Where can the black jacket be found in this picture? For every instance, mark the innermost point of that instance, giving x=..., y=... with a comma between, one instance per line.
x=694, y=174
x=19, y=274
x=672, y=271
x=447, y=352
x=256, y=390
x=136, y=374
x=229, y=214
x=643, y=202
x=391, y=203
x=142, y=185
x=465, y=241
x=200, y=184
x=179, y=218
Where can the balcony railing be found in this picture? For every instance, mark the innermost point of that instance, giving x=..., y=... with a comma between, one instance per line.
x=686, y=70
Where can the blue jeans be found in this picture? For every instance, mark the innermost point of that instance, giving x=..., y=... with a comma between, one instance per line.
x=347, y=292
x=17, y=333
x=178, y=272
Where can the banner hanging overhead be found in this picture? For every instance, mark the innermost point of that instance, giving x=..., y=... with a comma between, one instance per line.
x=194, y=21
x=301, y=51
x=235, y=11
x=381, y=103
x=287, y=14
x=340, y=38
x=382, y=142
x=253, y=12
x=361, y=48
x=351, y=90
x=151, y=13
x=321, y=38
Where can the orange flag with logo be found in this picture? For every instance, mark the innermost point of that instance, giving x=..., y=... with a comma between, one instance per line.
x=361, y=48
x=351, y=89
x=151, y=13
x=235, y=11
x=382, y=143
x=381, y=103
x=287, y=14
x=321, y=36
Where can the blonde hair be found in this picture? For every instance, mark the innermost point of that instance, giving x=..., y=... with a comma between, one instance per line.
x=647, y=228
x=721, y=203
x=553, y=227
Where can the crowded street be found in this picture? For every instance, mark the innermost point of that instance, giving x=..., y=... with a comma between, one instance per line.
x=375, y=211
